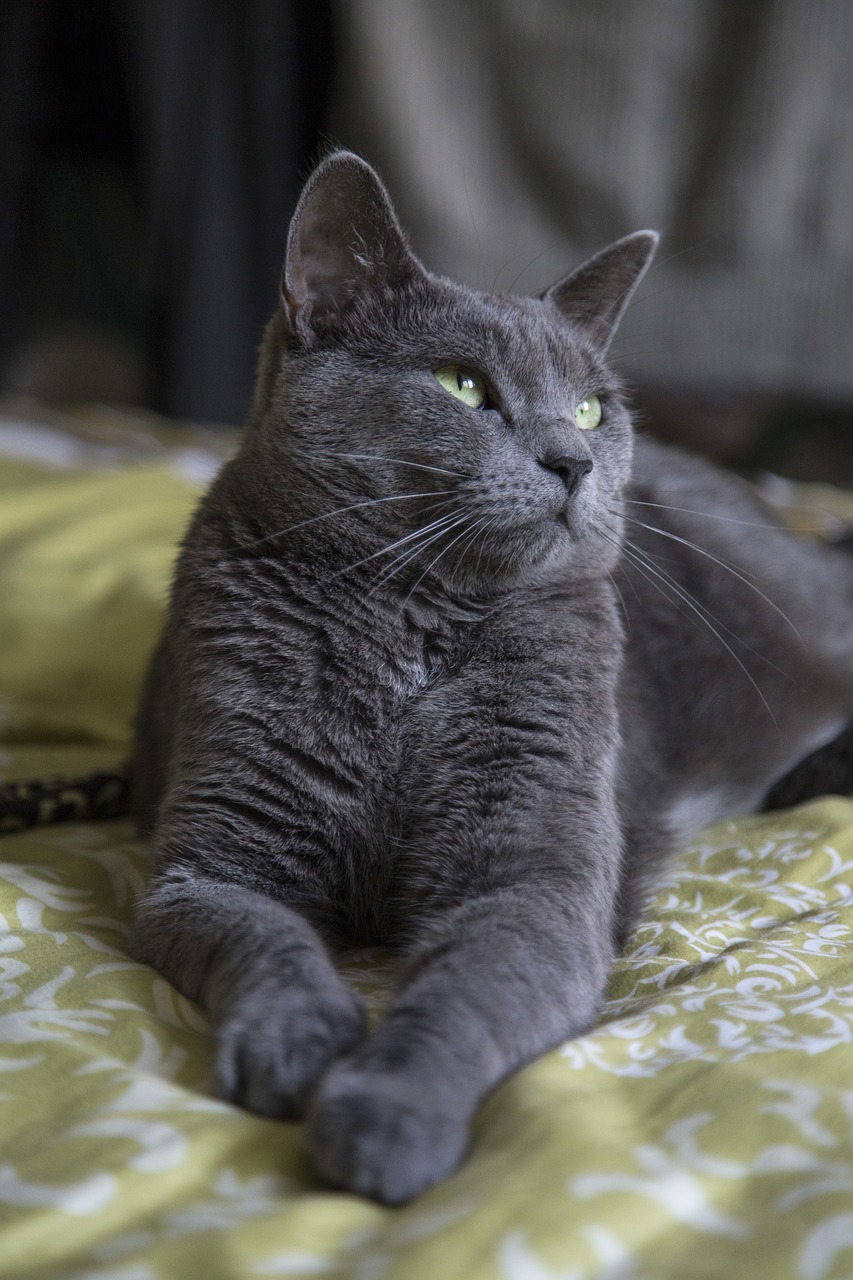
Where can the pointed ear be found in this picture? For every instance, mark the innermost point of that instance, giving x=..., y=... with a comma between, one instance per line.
x=595, y=295
x=344, y=238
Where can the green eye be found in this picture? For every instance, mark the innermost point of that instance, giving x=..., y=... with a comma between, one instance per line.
x=463, y=383
x=588, y=413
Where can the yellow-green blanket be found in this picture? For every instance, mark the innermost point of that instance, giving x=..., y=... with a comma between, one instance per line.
x=705, y=1129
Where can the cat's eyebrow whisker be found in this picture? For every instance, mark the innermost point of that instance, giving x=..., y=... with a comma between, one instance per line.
x=327, y=515
x=527, y=265
x=642, y=563
x=664, y=533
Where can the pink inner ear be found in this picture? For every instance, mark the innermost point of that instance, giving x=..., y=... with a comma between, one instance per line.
x=322, y=269
x=323, y=281
x=344, y=236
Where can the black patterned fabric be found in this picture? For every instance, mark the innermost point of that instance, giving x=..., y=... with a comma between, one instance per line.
x=48, y=800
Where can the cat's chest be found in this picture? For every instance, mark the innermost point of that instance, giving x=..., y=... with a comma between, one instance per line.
x=415, y=663
x=362, y=677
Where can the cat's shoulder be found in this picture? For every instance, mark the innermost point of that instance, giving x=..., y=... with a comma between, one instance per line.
x=653, y=462
x=666, y=474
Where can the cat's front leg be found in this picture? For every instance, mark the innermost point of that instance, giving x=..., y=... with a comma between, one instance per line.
x=501, y=979
x=513, y=879
x=280, y=1011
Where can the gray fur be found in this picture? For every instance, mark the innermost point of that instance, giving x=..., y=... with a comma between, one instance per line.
x=450, y=740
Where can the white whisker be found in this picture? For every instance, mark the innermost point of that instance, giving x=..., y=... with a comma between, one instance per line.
x=384, y=457
x=327, y=515
x=724, y=564
x=641, y=561
x=392, y=546
x=625, y=615
x=490, y=525
x=713, y=515
x=434, y=562
x=405, y=558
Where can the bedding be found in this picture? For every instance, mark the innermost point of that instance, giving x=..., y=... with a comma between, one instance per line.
x=703, y=1129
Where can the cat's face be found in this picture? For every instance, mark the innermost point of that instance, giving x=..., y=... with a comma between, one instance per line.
x=483, y=436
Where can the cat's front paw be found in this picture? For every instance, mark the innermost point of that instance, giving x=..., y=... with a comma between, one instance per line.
x=374, y=1134
x=273, y=1048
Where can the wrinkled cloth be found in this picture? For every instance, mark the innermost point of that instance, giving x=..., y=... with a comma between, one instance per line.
x=704, y=1128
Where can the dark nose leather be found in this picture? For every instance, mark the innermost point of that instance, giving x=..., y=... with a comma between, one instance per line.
x=570, y=470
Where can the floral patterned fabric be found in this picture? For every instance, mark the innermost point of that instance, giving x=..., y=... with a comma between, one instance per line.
x=703, y=1129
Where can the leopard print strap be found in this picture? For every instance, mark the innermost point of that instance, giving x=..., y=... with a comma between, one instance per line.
x=62, y=799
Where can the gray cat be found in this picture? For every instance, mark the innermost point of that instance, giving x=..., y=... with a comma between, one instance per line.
x=397, y=699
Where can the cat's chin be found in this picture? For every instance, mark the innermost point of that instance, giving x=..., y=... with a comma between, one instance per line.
x=580, y=551
x=539, y=556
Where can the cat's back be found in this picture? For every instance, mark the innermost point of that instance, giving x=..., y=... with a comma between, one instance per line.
x=667, y=475
x=738, y=640
x=709, y=522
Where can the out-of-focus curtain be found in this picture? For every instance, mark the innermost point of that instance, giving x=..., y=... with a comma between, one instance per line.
x=520, y=137
x=152, y=154
x=229, y=98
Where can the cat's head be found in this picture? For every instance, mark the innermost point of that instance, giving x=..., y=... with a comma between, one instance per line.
x=481, y=438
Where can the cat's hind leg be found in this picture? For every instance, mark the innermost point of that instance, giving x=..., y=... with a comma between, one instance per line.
x=829, y=770
x=281, y=1013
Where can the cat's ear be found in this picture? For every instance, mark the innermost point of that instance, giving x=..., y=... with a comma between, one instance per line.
x=597, y=293
x=344, y=238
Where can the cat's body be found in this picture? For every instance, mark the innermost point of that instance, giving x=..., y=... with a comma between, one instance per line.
x=397, y=698
x=738, y=656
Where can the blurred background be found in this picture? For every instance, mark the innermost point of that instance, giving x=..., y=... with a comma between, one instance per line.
x=153, y=151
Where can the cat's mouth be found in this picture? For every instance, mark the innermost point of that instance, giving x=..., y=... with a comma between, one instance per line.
x=574, y=517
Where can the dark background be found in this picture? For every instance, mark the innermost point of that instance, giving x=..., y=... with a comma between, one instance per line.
x=152, y=154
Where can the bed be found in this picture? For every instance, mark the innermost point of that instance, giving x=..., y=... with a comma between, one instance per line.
x=703, y=1129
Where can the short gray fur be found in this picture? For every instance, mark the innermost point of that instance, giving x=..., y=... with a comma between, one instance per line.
x=399, y=698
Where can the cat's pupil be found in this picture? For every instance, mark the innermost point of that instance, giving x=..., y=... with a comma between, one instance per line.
x=463, y=383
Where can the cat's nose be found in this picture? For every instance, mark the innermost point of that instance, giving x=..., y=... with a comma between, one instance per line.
x=570, y=470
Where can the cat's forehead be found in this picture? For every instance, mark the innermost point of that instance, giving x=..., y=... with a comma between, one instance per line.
x=523, y=338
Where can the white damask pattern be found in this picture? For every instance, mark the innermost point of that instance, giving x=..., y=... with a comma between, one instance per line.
x=704, y=1128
